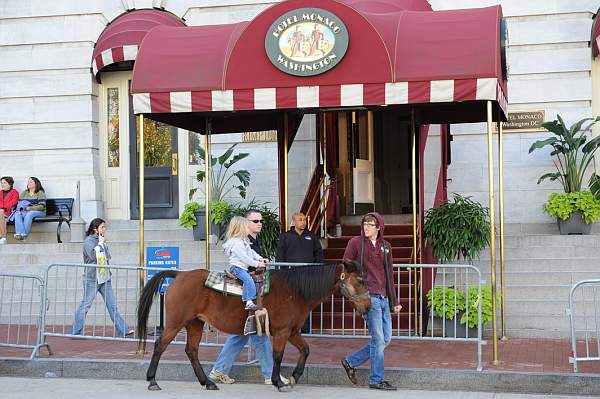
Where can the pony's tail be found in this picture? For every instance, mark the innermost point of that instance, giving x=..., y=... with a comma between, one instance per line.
x=150, y=289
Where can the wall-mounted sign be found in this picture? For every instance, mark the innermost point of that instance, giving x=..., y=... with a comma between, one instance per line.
x=306, y=41
x=525, y=121
x=257, y=137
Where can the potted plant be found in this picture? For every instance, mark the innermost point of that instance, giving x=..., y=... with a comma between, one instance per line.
x=457, y=229
x=574, y=154
x=449, y=303
x=575, y=212
x=219, y=217
x=224, y=180
x=192, y=213
x=472, y=303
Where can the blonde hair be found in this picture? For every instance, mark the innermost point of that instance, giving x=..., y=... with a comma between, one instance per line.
x=238, y=228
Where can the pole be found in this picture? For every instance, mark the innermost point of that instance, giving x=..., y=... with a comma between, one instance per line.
x=490, y=125
x=501, y=197
x=207, y=177
x=324, y=189
x=285, y=171
x=142, y=273
x=414, y=181
x=413, y=129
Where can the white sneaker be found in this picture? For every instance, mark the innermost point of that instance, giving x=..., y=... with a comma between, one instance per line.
x=218, y=376
x=2, y=240
x=283, y=379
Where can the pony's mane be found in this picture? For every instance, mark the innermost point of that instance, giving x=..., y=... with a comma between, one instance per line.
x=310, y=282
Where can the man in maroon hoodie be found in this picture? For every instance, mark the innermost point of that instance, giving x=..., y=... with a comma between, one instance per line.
x=375, y=256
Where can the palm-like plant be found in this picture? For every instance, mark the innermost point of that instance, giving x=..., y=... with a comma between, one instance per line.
x=572, y=149
x=223, y=178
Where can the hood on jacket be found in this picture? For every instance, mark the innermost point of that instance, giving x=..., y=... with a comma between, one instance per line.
x=379, y=221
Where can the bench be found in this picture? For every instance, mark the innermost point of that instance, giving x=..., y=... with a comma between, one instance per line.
x=57, y=210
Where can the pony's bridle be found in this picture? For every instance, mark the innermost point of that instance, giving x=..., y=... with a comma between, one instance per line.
x=347, y=294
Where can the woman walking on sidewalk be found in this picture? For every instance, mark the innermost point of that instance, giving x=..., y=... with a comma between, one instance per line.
x=97, y=279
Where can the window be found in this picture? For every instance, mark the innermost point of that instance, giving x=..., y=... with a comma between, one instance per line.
x=112, y=96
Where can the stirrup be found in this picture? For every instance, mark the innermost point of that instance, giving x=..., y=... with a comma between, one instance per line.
x=250, y=325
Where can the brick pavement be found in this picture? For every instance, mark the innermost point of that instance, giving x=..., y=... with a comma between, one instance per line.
x=536, y=355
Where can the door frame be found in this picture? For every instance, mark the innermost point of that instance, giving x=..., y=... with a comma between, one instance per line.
x=115, y=205
x=134, y=185
x=364, y=166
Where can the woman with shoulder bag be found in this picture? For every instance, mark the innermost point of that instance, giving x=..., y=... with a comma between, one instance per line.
x=8, y=200
x=97, y=279
x=32, y=204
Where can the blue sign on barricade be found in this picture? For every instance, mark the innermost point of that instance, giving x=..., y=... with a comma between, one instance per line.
x=162, y=257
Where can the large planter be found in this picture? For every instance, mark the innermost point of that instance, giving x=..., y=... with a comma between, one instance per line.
x=575, y=224
x=447, y=327
x=199, y=229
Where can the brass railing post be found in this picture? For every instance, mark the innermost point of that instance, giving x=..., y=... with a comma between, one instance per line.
x=414, y=212
x=501, y=198
x=324, y=184
x=490, y=126
x=142, y=272
x=207, y=193
x=285, y=170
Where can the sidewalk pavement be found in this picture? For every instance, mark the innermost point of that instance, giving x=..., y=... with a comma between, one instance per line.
x=66, y=388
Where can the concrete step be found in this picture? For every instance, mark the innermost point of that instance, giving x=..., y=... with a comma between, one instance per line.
x=547, y=252
x=540, y=265
x=549, y=278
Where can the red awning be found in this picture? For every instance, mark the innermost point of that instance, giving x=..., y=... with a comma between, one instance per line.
x=596, y=35
x=121, y=38
x=394, y=57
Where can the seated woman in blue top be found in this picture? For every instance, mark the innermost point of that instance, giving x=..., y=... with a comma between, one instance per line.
x=32, y=204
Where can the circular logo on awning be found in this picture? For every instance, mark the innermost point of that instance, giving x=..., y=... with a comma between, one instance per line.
x=306, y=41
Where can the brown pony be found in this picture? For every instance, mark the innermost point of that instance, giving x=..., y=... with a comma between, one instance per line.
x=293, y=293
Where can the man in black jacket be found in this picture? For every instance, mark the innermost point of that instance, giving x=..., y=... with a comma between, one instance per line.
x=299, y=245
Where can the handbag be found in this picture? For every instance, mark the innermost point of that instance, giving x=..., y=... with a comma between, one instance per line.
x=102, y=272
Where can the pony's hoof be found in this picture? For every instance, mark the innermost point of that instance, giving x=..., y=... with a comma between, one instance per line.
x=154, y=387
x=292, y=381
x=285, y=388
x=212, y=387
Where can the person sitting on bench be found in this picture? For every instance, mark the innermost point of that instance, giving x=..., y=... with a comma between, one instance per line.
x=33, y=200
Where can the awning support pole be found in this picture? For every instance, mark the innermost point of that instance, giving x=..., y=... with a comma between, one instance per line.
x=324, y=189
x=490, y=126
x=141, y=166
x=413, y=129
x=501, y=198
x=285, y=170
x=207, y=193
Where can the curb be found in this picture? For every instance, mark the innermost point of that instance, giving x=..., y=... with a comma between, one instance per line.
x=414, y=379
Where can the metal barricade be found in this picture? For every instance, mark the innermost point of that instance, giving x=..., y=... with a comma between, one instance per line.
x=21, y=312
x=416, y=321
x=64, y=291
x=584, y=319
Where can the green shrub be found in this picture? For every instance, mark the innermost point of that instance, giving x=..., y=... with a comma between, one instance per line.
x=442, y=301
x=187, y=218
x=473, y=303
x=456, y=228
x=564, y=204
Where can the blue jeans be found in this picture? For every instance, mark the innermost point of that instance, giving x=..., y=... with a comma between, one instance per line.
x=379, y=322
x=233, y=347
x=23, y=221
x=249, y=289
x=90, y=288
